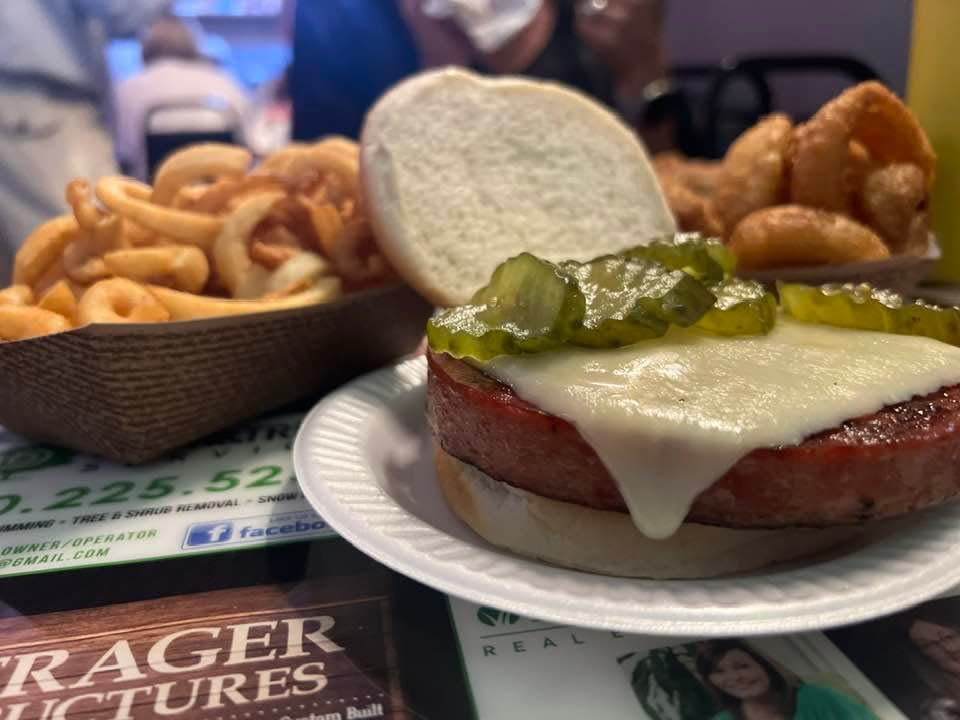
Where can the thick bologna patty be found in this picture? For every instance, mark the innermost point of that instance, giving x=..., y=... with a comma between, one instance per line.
x=902, y=458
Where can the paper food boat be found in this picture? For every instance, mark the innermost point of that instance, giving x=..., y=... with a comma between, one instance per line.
x=133, y=392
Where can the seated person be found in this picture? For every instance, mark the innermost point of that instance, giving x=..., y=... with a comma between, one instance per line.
x=53, y=104
x=610, y=49
x=346, y=53
x=175, y=74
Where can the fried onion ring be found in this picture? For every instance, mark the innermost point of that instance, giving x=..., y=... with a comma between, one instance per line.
x=893, y=202
x=693, y=213
x=130, y=199
x=119, y=300
x=788, y=235
x=891, y=132
x=754, y=171
x=19, y=322
x=43, y=248
x=859, y=165
x=699, y=176
x=873, y=116
x=194, y=163
x=178, y=266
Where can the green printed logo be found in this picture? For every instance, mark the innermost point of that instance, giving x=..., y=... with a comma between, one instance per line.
x=491, y=617
x=32, y=457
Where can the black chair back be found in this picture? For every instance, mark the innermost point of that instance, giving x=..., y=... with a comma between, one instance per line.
x=691, y=85
x=169, y=127
x=726, y=120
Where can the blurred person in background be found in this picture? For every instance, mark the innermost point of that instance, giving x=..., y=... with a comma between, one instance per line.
x=348, y=52
x=193, y=94
x=54, y=103
x=610, y=49
x=268, y=122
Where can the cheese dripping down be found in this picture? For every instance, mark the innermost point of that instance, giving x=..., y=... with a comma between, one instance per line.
x=668, y=417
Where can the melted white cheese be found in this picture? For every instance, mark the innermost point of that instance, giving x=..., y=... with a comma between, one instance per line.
x=668, y=417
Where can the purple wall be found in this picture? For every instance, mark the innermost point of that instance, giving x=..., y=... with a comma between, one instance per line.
x=874, y=31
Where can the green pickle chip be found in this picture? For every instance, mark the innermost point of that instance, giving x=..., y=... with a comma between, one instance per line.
x=867, y=308
x=529, y=306
x=532, y=305
x=613, y=316
x=629, y=300
x=706, y=259
x=743, y=307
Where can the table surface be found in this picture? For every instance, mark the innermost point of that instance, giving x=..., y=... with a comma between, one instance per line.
x=315, y=630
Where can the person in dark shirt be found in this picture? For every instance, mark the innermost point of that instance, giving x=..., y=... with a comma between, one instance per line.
x=346, y=53
x=610, y=49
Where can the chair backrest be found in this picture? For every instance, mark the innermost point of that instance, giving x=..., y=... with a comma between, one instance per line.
x=691, y=84
x=724, y=122
x=170, y=126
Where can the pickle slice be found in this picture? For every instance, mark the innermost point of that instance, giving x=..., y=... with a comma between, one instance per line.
x=529, y=306
x=628, y=300
x=851, y=306
x=923, y=318
x=707, y=259
x=866, y=308
x=743, y=307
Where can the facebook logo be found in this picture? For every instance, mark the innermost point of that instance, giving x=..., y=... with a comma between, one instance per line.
x=256, y=530
x=209, y=534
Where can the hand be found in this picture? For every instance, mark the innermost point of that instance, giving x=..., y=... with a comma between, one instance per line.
x=626, y=35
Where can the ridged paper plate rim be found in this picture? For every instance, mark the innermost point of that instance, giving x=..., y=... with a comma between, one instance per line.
x=331, y=457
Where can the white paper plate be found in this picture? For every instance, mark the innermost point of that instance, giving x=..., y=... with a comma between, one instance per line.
x=363, y=461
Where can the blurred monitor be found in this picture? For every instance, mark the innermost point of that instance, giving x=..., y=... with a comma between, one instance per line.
x=228, y=8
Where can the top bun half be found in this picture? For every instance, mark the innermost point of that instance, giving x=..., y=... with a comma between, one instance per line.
x=461, y=172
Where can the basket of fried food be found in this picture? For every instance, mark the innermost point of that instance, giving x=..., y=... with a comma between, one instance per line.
x=151, y=316
x=843, y=197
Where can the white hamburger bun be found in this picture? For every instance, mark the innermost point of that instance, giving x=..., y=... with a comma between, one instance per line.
x=606, y=542
x=461, y=172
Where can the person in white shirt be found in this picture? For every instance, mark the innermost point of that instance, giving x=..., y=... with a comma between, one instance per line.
x=54, y=103
x=176, y=75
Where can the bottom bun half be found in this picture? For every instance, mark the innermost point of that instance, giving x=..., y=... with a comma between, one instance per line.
x=605, y=542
